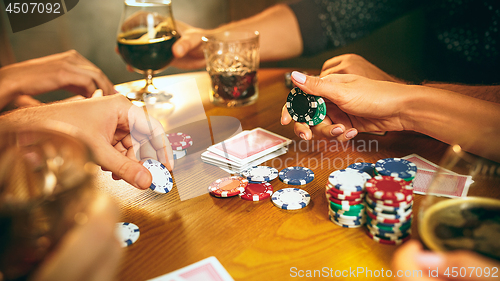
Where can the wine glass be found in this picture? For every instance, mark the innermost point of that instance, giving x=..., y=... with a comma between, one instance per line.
x=45, y=188
x=145, y=37
x=470, y=222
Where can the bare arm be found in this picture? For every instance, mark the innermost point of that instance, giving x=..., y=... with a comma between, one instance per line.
x=357, y=104
x=280, y=37
x=488, y=93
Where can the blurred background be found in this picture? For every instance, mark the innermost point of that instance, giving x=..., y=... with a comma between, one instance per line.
x=91, y=29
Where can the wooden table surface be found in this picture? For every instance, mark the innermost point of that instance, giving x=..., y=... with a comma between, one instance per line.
x=252, y=240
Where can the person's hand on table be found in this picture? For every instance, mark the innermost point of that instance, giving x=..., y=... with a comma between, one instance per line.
x=69, y=71
x=410, y=257
x=119, y=134
x=355, y=64
x=89, y=251
x=354, y=104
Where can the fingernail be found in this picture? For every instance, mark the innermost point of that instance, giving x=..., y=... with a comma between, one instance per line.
x=302, y=136
x=141, y=180
x=428, y=259
x=116, y=92
x=337, y=131
x=351, y=134
x=299, y=77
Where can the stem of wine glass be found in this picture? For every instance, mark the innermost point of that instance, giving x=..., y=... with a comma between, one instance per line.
x=149, y=88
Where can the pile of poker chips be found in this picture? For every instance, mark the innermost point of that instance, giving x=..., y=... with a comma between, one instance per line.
x=396, y=167
x=389, y=202
x=345, y=191
x=180, y=142
x=305, y=108
x=253, y=185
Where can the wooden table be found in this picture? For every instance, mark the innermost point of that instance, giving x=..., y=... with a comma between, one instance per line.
x=252, y=240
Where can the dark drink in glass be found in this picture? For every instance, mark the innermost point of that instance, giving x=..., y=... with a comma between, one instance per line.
x=233, y=86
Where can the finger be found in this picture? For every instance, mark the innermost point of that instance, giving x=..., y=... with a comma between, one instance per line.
x=189, y=63
x=331, y=63
x=455, y=259
x=403, y=260
x=330, y=87
x=302, y=130
x=122, y=166
x=186, y=44
x=145, y=128
x=285, y=116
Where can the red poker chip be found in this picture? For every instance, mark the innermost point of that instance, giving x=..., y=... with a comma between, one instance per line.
x=386, y=220
x=401, y=204
x=227, y=187
x=339, y=196
x=346, y=202
x=387, y=241
x=388, y=188
x=344, y=192
x=257, y=191
x=180, y=141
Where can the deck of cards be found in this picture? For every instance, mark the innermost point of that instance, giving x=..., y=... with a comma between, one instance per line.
x=246, y=149
x=453, y=185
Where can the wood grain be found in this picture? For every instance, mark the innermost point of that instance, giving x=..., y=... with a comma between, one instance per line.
x=256, y=240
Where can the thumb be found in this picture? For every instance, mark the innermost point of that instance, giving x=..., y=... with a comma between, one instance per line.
x=120, y=165
x=330, y=86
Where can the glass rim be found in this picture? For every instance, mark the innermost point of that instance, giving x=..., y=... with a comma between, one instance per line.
x=147, y=3
x=231, y=36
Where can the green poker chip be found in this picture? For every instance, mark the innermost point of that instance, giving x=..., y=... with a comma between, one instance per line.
x=301, y=106
x=320, y=112
x=353, y=208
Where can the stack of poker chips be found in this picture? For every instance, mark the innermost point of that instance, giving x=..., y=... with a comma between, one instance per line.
x=258, y=187
x=345, y=191
x=389, y=202
x=293, y=198
x=396, y=167
x=368, y=168
x=180, y=142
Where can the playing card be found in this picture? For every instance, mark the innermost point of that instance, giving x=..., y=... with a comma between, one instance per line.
x=235, y=168
x=425, y=164
x=248, y=146
x=448, y=185
x=209, y=269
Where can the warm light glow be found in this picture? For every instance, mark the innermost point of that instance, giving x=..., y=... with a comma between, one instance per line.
x=457, y=148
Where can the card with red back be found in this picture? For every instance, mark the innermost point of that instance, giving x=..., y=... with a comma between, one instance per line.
x=209, y=269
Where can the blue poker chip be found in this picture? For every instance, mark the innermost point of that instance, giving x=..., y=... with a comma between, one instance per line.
x=348, y=179
x=162, y=180
x=127, y=233
x=291, y=198
x=296, y=175
x=260, y=174
x=396, y=167
x=368, y=168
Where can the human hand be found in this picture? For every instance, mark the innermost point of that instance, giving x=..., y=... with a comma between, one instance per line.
x=355, y=64
x=119, y=134
x=188, y=49
x=89, y=251
x=69, y=71
x=410, y=257
x=354, y=104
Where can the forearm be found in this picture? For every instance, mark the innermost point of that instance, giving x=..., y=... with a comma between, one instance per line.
x=455, y=118
x=488, y=93
x=280, y=36
x=7, y=92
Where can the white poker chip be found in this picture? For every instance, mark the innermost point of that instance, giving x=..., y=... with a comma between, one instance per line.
x=127, y=233
x=291, y=198
x=162, y=180
x=349, y=179
x=178, y=154
x=260, y=173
